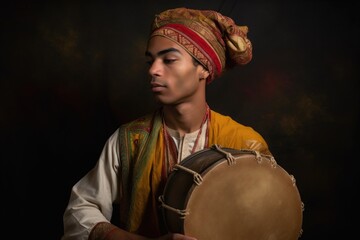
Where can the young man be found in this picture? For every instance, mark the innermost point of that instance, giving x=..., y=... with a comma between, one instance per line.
x=187, y=49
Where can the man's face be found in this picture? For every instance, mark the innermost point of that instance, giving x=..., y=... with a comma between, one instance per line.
x=175, y=78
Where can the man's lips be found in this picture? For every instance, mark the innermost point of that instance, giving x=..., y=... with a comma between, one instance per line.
x=157, y=87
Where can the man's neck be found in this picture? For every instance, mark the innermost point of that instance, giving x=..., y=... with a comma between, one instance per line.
x=185, y=118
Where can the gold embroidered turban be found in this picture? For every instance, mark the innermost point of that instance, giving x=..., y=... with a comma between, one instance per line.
x=210, y=37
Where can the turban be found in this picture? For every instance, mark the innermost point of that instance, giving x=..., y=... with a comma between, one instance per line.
x=210, y=37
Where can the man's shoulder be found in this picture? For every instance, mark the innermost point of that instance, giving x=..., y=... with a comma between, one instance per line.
x=224, y=121
x=142, y=123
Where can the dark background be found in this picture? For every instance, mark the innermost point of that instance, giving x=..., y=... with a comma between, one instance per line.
x=72, y=72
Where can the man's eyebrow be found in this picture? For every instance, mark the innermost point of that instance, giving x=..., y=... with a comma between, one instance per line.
x=162, y=52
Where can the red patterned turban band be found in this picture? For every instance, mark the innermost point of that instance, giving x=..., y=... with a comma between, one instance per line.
x=211, y=38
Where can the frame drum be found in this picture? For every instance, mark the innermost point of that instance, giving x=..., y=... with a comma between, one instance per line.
x=227, y=194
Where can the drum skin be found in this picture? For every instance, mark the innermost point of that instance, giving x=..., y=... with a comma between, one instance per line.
x=252, y=199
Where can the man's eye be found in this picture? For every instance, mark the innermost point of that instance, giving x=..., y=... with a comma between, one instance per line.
x=168, y=61
x=149, y=62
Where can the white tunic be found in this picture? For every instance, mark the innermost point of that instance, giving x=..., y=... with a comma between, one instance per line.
x=92, y=197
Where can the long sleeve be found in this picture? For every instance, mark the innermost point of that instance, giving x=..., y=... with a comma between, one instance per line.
x=92, y=197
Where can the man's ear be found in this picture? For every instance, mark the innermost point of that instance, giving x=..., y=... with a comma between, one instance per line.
x=204, y=73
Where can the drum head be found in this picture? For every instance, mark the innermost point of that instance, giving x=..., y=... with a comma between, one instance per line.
x=250, y=200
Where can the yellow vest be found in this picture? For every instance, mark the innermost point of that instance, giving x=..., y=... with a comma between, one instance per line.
x=142, y=157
